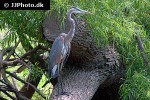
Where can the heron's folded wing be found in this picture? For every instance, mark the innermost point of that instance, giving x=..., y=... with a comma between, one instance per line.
x=55, y=55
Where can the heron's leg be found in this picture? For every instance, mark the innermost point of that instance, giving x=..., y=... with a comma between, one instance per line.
x=59, y=79
x=61, y=84
x=58, y=87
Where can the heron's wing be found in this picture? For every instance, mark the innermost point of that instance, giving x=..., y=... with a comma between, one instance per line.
x=68, y=47
x=55, y=56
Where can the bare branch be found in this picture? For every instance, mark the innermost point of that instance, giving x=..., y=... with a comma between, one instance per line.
x=38, y=91
x=15, y=83
x=2, y=70
x=12, y=51
x=141, y=49
x=20, y=69
x=8, y=95
x=9, y=84
x=31, y=52
x=1, y=98
x=13, y=63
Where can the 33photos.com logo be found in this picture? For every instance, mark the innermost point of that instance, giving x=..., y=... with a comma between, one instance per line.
x=39, y=4
x=24, y=5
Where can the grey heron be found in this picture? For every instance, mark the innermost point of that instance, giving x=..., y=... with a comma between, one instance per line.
x=60, y=49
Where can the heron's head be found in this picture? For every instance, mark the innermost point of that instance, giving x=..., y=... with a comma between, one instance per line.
x=78, y=10
x=63, y=34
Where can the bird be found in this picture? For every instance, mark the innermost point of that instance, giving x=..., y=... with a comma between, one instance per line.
x=60, y=49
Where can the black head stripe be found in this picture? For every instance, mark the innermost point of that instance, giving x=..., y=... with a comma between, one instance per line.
x=75, y=8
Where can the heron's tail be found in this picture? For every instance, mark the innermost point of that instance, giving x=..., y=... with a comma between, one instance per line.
x=53, y=74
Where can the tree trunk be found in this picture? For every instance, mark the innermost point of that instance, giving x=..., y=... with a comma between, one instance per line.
x=88, y=67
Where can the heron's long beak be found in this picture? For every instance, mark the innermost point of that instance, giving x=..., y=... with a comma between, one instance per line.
x=85, y=12
x=88, y=13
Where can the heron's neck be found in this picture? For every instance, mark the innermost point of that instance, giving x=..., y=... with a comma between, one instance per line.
x=71, y=32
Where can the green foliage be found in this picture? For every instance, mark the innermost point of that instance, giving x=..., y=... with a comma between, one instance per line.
x=118, y=22
x=61, y=7
x=36, y=72
x=23, y=24
x=136, y=88
x=113, y=22
x=26, y=26
x=47, y=90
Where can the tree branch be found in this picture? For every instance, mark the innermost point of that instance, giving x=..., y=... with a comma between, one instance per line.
x=14, y=62
x=8, y=95
x=1, y=98
x=12, y=51
x=38, y=91
x=141, y=49
x=2, y=70
x=31, y=52
x=15, y=83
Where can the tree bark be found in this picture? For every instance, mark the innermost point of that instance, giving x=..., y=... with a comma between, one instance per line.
x=89, y=66
x=83, y=82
